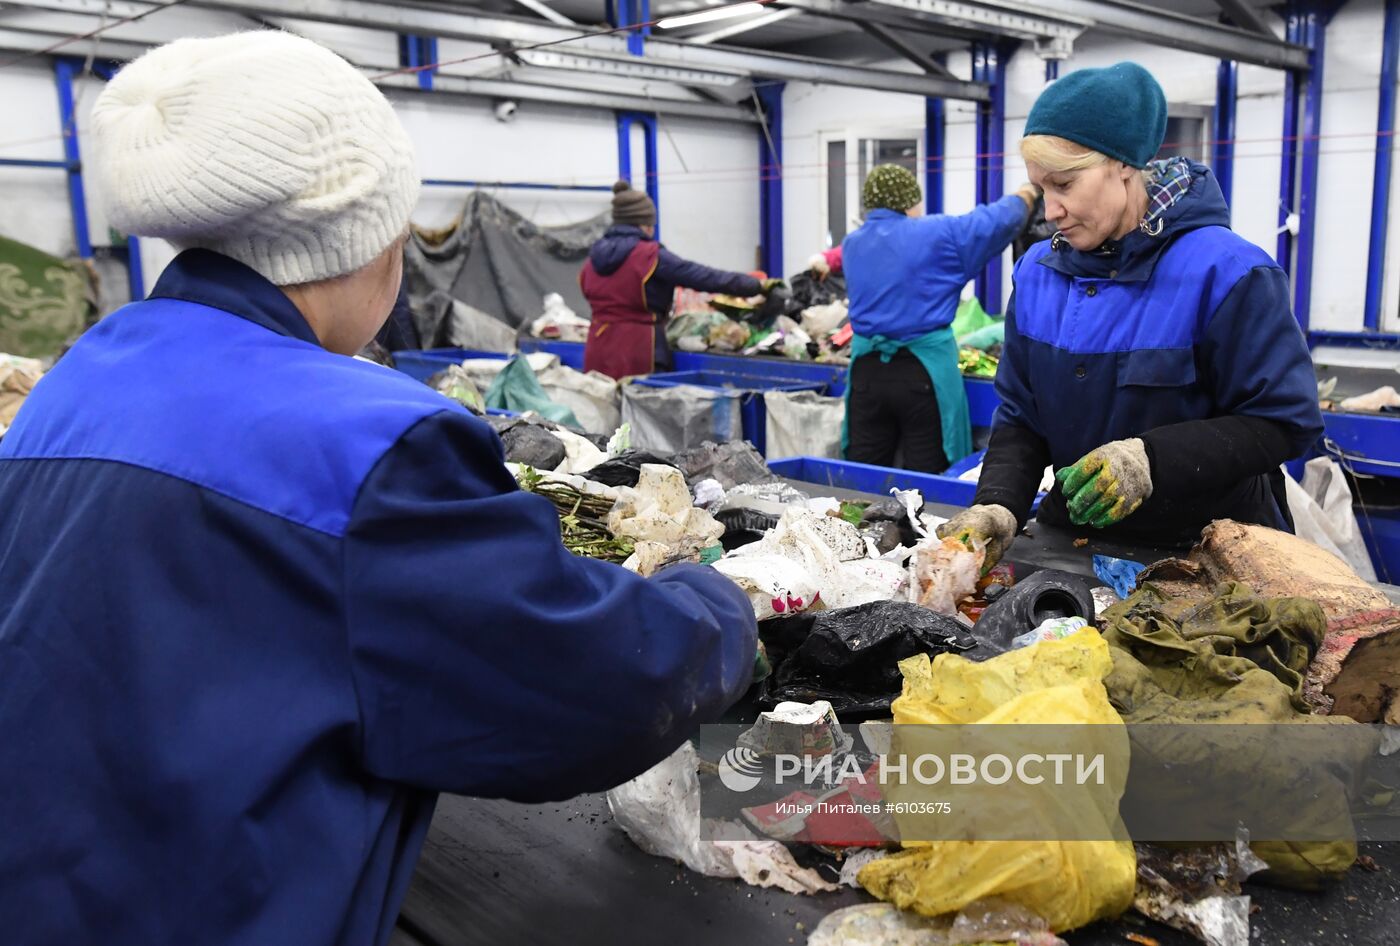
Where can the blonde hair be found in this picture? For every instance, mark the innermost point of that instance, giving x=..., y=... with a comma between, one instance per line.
x=1059, y=154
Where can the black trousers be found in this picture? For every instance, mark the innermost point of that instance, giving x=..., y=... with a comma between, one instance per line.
x=893, y=412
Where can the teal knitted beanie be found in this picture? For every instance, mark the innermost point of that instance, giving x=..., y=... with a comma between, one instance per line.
x=1119, y=111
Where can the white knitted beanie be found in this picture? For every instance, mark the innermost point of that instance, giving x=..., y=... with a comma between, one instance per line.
x=262, y=146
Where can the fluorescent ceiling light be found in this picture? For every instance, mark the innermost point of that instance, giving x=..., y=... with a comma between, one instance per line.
x=709, y=16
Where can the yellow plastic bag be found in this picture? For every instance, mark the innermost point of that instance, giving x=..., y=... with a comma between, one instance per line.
x=1067, y=883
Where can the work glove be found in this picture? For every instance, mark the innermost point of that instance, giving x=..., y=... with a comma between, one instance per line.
x=1107, y=485
x=770, y=284
x=819, y=266
x=1029, y=193
x=993, y=524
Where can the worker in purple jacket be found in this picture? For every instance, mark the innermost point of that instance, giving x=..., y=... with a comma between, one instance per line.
x=629, y=281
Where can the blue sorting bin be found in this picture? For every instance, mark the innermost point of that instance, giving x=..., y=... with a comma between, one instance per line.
x=752, y=413
x=422, y=365
x=878, y=480
x=777, y=369
x=570, y=353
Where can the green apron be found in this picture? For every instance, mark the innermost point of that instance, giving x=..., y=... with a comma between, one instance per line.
x=938, y=353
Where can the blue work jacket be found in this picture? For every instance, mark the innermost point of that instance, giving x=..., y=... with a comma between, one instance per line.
x=263, y=602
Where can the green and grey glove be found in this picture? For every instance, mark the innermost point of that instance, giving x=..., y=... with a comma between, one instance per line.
x=995, y=525
x=1107, y=485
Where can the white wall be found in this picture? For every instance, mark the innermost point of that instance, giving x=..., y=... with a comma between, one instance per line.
x=709, y=173
x=1346, y=159
x=709, y=191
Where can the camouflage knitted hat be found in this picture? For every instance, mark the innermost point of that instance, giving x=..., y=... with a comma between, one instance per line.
x=891, y=187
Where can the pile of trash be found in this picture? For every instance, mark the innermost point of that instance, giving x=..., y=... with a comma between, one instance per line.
x=865, y=615
x=589, y=403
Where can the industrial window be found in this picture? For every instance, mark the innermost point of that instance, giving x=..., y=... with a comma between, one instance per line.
x=845, y=178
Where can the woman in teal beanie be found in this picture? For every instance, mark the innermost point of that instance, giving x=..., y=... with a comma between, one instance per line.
x=1151, y=354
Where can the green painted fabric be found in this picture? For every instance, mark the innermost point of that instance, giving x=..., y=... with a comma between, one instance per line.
x=1232, y=659
x=44, y=301
x=517, y=389
x=938, y=353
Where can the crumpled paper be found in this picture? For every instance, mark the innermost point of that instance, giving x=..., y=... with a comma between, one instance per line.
x=660, y=811
x=659, y=509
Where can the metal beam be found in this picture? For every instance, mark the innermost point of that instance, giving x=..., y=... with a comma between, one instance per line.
x=498, y=89
x=1174, y=30
x=636, y=68
x=1024, y=21
x=1246, y=17
x=923, y=60
x=532, y=88
x=468, y=26
x=550, y=14
x=886, y=16
x=744, y=26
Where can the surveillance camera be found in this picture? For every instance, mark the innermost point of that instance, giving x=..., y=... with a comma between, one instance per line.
x=506, y=110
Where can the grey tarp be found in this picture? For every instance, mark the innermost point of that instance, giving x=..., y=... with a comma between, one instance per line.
x=495, y=261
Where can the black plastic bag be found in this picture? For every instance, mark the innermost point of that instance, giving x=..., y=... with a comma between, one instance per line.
x=532, y=445
x=891, y=510
x=743, y=526
x=886, y=535
x=732, y=464
x=808, y=291
x=850, y=657
x=1031, y=602
x=625, y=469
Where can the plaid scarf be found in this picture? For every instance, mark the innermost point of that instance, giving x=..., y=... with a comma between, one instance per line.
x=1167, y=182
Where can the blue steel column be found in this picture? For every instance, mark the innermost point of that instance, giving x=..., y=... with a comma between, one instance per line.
x=770, y=178
x=1052, y=70
x=981, y=148
x=989, y=65
x=1385, y=142
x=64, y=71
x=1222, y=160
x=1288, y=164
x=625, y=121
x=935, y=129
x=1314, y=23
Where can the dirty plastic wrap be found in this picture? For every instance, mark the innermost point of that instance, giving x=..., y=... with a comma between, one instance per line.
x=803, y=424
x=659, y=510
x=675, y=419
x=1040, y=597
x=978, y=924
x=455, y=383
x=733, y=464
x=850, y=657
x=806, y=559
x=943, y=572
x=1322, y=514
x=660, y=811
x=1197, y=890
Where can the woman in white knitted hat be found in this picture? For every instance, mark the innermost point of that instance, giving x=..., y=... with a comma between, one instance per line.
x=263, y=600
